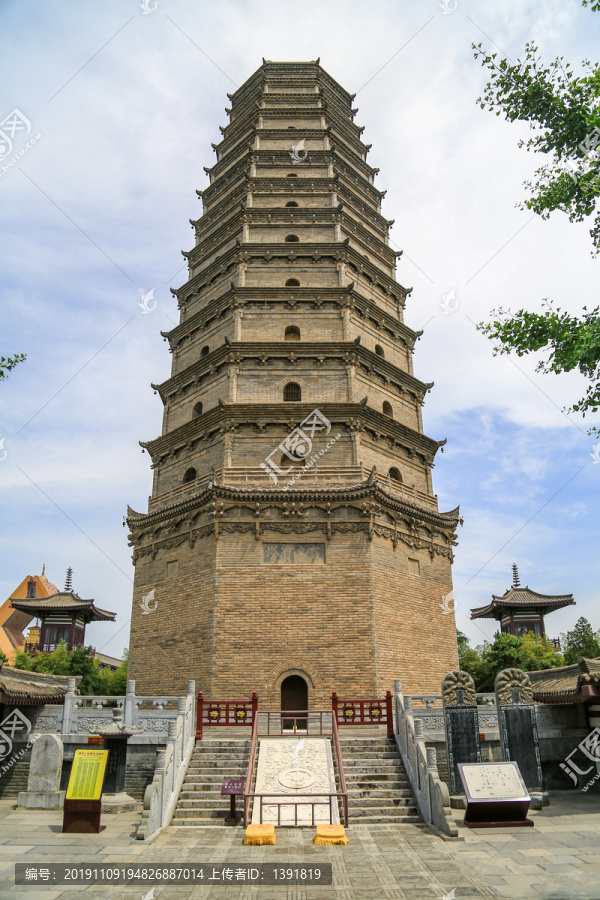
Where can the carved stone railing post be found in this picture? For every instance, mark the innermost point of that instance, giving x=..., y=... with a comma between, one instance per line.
x=68, y=706
x=129, y=711
x=153, y=800
x=181, y=708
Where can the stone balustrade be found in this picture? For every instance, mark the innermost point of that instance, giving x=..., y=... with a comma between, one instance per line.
x=161, y=795
x=430, y=792
x=81, y=715
x=430, y=710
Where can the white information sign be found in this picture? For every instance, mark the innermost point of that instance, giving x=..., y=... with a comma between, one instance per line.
x=494, y=781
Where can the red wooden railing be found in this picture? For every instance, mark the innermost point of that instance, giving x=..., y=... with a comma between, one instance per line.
x=224, y=712
x=364, y=712
x=250, y=772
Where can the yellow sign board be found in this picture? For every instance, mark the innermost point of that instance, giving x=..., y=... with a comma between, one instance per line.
x=87, y=775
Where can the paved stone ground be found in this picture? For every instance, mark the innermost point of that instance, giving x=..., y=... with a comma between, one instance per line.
x=556, y=860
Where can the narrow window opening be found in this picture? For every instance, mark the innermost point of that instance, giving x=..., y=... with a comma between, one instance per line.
x=292, y=392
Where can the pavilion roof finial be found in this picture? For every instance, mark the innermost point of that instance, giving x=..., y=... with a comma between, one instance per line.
x=43, y=570
x=516, y=580
x=69, y=579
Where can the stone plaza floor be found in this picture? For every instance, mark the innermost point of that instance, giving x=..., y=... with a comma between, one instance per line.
x=558, y=859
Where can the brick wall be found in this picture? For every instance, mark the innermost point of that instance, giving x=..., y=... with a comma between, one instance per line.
x=236, y=624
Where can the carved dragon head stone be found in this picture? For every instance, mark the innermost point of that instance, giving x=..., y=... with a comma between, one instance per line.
x=513, y=687
x=458, y=689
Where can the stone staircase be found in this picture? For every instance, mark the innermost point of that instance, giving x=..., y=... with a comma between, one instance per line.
x=200, y=802
x=378, y=789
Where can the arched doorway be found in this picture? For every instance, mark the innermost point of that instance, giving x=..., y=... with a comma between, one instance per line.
x=294, y=697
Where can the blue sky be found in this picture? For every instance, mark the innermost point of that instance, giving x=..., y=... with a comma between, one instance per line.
x=97, y=210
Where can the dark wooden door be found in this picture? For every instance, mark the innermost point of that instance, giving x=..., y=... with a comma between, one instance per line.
x=294, y=698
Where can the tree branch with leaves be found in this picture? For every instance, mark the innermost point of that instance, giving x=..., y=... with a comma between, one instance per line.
x=8, y=363
x=564, y=110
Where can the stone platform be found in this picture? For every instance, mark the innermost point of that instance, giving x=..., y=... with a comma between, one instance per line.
x=556, y=860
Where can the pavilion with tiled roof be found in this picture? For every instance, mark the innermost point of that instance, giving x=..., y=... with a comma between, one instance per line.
x=578, y=683
x=521, y=609
x=63, y=617
x=13, y=622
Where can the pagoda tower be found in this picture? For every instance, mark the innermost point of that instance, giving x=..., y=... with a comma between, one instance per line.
x=292, y=542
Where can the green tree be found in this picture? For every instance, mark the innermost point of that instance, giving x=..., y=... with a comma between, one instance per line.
x=22, y=660
x=537, y=652
x=115, y=683
x=79, y=661
x=503, y=653
x=8, y=363
x=82, y=662
x=581, y=641
x=3, y=658
x=563, y=109
x=469, y=659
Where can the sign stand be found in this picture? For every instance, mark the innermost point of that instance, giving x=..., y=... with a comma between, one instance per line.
x=233, y=787
x=496, y=795
x=83, y=801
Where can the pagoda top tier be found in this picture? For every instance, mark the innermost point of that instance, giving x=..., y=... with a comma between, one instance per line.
x=290, y=76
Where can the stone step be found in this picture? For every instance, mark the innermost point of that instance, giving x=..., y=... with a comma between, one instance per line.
x=387, y=820
x=375, y=777
x=371, y=791
x=368, y=746
x=383, y=803
x=208, y=778
x=210, y=796
x=200, y=822
x=367, y=753
x=205, y=812
x=204, y=801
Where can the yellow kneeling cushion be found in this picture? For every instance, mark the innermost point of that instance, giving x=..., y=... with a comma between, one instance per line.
x=331, y=834
x=260, y=834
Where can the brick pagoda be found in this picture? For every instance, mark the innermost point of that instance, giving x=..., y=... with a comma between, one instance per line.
x=293, y=540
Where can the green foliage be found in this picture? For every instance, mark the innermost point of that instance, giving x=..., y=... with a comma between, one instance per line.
x=22, y=660
x=581, y=641
x=504, y=653
x=572, y=343
x=3, y=658
x=115, y=683
x=537, y=653
x=79, y=661
x=8, y=363
x=469, y=659
x=563, y=109
x=529, y=653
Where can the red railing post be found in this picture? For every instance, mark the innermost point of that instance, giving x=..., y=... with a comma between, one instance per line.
x=199, y=711
x=390, y=714
x=254, y=706
x=334, y=704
